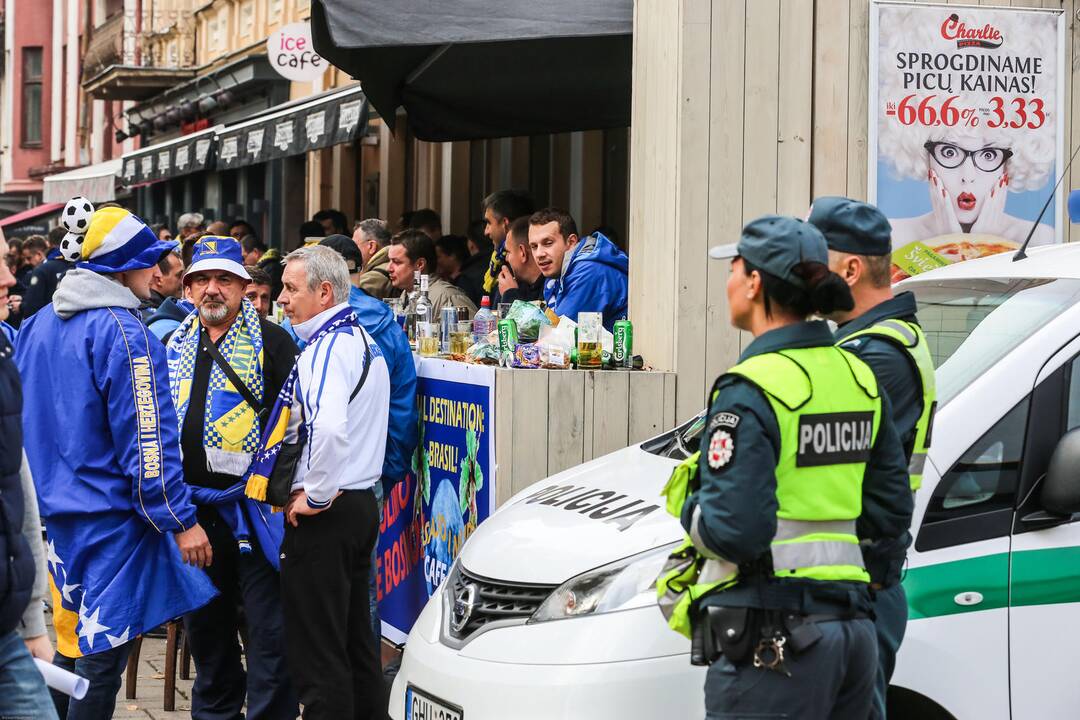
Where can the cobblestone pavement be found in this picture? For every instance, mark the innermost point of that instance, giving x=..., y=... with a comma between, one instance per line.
x=151, y=688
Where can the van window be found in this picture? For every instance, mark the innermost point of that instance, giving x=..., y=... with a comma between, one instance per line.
x=985, y=478
x=1073, y=409
x=971, y=324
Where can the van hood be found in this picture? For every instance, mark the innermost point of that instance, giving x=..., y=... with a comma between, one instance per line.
x=576, y=520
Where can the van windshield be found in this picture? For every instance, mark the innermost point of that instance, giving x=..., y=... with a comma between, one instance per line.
x=971, y=324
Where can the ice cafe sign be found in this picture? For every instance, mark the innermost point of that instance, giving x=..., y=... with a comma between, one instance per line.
x=291, y=52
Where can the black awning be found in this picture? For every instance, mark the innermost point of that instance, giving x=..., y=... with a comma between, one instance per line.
x=172, y=158
x=463, y=70
x=331, y=119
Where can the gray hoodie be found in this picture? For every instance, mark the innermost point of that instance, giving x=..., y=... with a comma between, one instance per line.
x=86, y=290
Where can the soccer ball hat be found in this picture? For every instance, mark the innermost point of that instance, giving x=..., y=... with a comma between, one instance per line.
x=109, y=240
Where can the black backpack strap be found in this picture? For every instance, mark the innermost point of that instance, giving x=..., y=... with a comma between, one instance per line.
x=234, y=378
x=367, y=365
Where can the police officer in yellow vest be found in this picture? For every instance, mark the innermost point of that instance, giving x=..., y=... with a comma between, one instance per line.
x=883, y=332
x=799, y=459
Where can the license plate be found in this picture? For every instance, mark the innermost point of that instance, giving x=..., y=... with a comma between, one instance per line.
x=421, y=706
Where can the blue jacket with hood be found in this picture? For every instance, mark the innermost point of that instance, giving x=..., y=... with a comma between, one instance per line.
x=594, y=279
x=378, y=319
x=103, y=444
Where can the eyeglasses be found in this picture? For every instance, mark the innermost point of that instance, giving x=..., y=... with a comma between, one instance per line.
x=987, y=159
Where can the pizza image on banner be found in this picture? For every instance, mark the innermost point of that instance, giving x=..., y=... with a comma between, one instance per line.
x=966, y=134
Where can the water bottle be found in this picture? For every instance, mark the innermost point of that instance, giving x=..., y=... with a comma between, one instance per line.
x=484, y=322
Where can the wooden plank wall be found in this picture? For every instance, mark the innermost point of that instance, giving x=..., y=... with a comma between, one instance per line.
x=740, y=108
x=550, y=420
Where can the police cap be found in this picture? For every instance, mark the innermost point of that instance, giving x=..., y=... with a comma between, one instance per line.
x=776, y=244
x=851, y=226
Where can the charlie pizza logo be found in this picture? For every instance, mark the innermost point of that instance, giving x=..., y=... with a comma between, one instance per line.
x=986, y=36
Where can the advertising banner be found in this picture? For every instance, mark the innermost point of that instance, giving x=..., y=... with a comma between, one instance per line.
x=427, y=517
x=966, y=129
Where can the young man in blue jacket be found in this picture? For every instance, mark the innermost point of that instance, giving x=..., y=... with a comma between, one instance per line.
x=103, y=446
x=583, y=275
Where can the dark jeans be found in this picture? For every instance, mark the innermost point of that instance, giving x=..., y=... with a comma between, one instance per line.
x=23, y=695
x=890, y=622
x=105, y=671
x=834, y=678
x=244, y=580
x=325, y=581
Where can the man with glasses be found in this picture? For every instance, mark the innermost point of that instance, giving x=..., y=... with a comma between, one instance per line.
x=969, y=176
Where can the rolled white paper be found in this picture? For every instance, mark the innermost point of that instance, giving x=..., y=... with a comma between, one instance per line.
x=60, y=679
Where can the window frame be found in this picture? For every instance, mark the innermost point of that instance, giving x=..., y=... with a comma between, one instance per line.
x=26, y=83
x=979, y=524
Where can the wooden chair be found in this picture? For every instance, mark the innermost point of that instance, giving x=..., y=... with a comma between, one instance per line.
x=175, y=640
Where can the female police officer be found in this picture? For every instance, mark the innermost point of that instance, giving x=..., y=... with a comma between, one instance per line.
x=799, y=460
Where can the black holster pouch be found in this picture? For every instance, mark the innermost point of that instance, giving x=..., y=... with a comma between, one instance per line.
x=732, y=632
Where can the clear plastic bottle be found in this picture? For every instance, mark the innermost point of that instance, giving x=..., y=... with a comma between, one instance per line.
x=485, y=322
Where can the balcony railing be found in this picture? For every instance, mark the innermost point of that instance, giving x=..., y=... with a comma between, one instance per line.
x=106, y=47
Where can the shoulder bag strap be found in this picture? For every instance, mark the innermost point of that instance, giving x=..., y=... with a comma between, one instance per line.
x=234, y=378
x=367, y=365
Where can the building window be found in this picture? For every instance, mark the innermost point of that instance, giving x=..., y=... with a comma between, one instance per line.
x=31, y=96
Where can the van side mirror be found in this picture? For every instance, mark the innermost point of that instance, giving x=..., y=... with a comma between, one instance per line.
x=1060, y=492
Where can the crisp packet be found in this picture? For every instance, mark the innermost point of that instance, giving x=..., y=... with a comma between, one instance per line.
x=529, y=318
x=526, y=355
x=483, y=353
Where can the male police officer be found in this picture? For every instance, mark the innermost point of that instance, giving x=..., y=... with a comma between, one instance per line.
x=882, y=330
x=799, y=460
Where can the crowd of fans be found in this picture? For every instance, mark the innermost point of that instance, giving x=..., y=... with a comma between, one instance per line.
x=161, y=353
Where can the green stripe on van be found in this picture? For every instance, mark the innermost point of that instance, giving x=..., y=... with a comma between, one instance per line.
x=931, y=589
x=1044, y=577
x=1039, y=577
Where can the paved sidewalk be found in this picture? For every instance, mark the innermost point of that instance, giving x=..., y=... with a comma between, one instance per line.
x=151, y=688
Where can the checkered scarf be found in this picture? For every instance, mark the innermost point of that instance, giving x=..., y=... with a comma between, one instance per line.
x=230, y=428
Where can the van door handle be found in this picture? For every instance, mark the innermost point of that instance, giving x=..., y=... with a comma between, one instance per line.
x=968, y=598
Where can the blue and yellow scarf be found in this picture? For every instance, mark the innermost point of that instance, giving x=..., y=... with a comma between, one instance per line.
x=262, y=465
x=231, y=428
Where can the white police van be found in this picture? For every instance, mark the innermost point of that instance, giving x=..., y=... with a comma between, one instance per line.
x=550, y=612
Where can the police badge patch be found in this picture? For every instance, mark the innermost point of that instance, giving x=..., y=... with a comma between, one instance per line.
x=721, y=449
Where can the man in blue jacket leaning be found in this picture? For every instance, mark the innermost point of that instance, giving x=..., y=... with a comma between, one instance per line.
x=583, y=274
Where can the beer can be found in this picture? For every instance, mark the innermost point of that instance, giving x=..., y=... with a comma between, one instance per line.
x=624, y=344
x=508, y=339
x=447, y=321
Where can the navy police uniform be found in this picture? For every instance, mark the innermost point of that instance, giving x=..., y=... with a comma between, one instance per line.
x=858, y=228
x=737, y=514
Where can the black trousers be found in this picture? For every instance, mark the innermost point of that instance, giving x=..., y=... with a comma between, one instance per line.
x=244, y=580
x=325, y=574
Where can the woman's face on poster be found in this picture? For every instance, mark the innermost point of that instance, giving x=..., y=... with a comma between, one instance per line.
x=969, y=167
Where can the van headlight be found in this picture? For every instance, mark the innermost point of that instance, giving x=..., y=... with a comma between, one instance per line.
x=622, y=585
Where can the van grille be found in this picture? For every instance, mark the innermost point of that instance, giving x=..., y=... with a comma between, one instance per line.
x=495, y=601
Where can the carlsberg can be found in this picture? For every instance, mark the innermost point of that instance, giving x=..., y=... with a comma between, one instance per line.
x=508, y=339
x=624, y=344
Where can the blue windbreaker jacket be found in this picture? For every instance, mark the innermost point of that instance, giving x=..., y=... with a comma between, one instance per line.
x=103, y=444
x=594, y=279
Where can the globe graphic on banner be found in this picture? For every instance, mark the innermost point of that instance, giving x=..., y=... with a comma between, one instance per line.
x=448, y=534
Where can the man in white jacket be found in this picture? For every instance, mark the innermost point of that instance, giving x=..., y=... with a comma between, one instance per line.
x=340, y=412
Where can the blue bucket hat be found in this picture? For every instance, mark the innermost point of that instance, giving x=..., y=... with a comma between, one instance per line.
x=776, y=244
x=217, y=252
